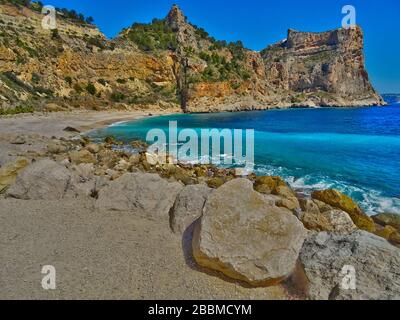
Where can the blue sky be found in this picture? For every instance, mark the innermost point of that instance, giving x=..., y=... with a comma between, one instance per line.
x=259, y=23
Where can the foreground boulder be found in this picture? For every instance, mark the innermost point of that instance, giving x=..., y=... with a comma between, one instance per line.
x=245, y=237
x=376, y=263
x=42, y=180
x=9, y=172
x=345, y=203
x=144, y=194
x=188, y=207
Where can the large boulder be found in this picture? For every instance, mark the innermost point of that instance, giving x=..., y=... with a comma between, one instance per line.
x=9, y=172
x=330, y=260
x=245, y=237
x=188, y=207
x=345, y=203
x=144, y=194
x=42, y=180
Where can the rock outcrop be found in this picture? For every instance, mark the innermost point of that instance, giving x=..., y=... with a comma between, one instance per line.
x=245, y=237
x=172, y=64
x=144, y=194
x=330, y=260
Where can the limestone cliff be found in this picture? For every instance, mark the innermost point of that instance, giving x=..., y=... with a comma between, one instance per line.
x=172, y=64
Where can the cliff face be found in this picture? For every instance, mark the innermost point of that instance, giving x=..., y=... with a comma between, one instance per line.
x=173, y=64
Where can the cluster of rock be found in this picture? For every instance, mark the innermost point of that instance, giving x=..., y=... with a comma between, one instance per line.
x=255, y=230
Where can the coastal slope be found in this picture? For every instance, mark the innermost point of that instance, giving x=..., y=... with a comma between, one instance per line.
x=173, y=65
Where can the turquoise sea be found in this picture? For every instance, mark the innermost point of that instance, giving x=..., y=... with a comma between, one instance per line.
x=355, y=150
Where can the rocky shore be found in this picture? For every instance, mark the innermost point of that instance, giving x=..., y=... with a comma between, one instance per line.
x=256, y=235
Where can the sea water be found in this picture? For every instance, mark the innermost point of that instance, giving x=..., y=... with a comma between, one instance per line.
x=354, y=150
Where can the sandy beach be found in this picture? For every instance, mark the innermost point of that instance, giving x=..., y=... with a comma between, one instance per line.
x=97, y=255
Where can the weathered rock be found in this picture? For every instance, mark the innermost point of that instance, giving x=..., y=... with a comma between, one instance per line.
x=42, y=180
x=188, y=207
x=244, y=237
x=390, y=219
x=215, y=182
x=144, y=194
x=345, y=203
x=9, y=172
x=322, y=206
x=316, y=221
x=308, y=205
x=18, y=140
x=376, y=264
x=340, y=221
x=93, y=147
x=83, y=156
x=291, y=203
x=267, y=184
x=56, y=147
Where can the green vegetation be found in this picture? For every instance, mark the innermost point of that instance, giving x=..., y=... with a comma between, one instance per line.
x=17, y=110
x=154, y=36
x=78, y=88
x=68, y=80
x=117, y=96
x=90, y=88
x=219, y=69
x=121, y=81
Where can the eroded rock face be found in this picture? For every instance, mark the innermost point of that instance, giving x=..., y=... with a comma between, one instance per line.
x=245, y=237
x=188, y=207
x=376, y=264
x=144, y=194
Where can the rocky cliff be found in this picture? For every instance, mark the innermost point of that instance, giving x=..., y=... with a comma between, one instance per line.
x=172, y=64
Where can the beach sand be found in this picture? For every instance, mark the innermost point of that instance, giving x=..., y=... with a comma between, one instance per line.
x=97, y=255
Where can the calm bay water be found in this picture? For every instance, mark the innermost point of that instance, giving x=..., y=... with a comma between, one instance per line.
x=355, y=150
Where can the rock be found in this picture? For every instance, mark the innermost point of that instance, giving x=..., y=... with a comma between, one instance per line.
x=322, y=206
x=134, y=159
x=83, y=156
x=84, y=170
x=308, y=205
x=18, y=140
x=215, y=182
x=188, y=207
x=93, y=148
x=56, y=147
x=71, y=129
x=108, y=158
x=144, y=194
x=42, y=180
x=9, y=172
x=316, y=221
x=390, y=219
x=183, y=175
x=395, y=239
x=345, y=203
x=122, y=165
x=340, y=221
x=291, y=203
x=376, y=264
x=267, y=184
x=244, y=237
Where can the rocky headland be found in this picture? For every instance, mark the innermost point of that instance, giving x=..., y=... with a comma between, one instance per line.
x=171, y=64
